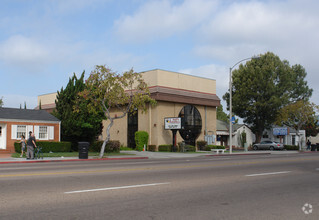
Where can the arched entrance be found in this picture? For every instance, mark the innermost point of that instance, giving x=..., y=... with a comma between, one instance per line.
x=191, y=124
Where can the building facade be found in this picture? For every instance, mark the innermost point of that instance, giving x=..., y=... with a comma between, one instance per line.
x=47, y=102
x=191, y=98
x=17, y=122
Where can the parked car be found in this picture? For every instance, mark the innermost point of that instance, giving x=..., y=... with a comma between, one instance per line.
x=268, y=145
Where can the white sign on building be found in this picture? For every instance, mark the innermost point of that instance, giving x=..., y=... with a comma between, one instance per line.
x=172, y=123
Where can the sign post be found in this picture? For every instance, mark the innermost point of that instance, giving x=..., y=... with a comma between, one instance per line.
x=173, y=124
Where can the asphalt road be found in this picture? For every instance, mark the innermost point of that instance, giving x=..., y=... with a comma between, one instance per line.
x=228, y=187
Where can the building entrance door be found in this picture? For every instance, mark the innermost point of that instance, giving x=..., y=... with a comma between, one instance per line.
x=3, y=136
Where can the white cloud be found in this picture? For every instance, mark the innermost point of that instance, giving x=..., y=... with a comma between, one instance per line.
x=160, y=19
x=248, y=26
x=23, y=52
x=290, y=29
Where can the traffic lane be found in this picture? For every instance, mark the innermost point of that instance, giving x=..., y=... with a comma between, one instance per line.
x=220, y=168
x=265, y=197
x=86, y=165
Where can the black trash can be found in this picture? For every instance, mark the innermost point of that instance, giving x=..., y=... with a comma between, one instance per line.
x=313, y=147
x=84, y=150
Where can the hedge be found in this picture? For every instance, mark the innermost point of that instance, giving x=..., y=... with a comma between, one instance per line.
x=291, y=147
x=48, y=146
x=111, y=146
x=165, y=148
x=190, y=148
x=141, y=139
x=201, y=145
x=186, y=147
x=209, y=147
x=151, y=148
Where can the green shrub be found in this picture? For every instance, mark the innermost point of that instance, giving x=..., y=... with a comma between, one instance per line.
x=165, y=148
x=186, y=147
x=48, y=146
x=201, y=145
x=111, y=146
x=151, y=148
x=209, y=147
x=141, y=139
x=291, y=147
x=190, y=148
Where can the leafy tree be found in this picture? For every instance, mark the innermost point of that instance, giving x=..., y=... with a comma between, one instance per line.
x=221, y=115
x=81, y=125
x=262, y=87
x=311, y=127
x=108, y=90
x=297, y=115
x=1, y=102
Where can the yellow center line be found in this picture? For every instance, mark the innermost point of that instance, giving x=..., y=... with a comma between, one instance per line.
x=153, y=168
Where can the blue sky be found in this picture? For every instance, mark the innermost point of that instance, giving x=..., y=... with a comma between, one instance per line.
x=43, y=42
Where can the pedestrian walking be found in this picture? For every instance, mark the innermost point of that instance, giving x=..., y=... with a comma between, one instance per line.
x=31, y=145
x=308, y=145
x=23, y=144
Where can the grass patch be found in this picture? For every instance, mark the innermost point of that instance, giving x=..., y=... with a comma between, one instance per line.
x=72, y=154
x=126, y=148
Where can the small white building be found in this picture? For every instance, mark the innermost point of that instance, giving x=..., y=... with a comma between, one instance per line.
x=238, y=129
x=285, y=135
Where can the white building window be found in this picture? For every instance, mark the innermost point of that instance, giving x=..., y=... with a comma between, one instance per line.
x=43, y=132
x=21, y=130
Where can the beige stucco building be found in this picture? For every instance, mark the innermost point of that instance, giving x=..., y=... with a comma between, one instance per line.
x=47, y=102
x=173, y=92
x=190, y=97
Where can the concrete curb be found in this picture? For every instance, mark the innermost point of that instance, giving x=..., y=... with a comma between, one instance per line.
x=71, y=160
x=237, y=154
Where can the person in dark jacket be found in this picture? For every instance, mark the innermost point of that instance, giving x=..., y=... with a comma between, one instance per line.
x=308, y=145
x=31, y=145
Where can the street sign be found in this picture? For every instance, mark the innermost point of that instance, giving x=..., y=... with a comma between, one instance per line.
x=233, y=120
x=172, y=123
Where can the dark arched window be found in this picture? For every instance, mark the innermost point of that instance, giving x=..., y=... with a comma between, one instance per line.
x=191, y=124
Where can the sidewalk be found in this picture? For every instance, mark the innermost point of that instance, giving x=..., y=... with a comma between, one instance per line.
x=154, y=155
x=139, y=155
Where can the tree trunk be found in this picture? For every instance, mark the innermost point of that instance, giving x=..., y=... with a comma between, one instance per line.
x=258, y=137
x=299, y=139
x=108, y=137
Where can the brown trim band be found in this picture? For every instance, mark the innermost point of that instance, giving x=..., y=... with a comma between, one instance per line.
x=184, y=96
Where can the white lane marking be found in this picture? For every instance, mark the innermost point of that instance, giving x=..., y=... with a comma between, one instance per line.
x=264, y=174
x=114, y=188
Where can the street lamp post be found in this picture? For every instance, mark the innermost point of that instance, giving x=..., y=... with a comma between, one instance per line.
x=230, y=102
